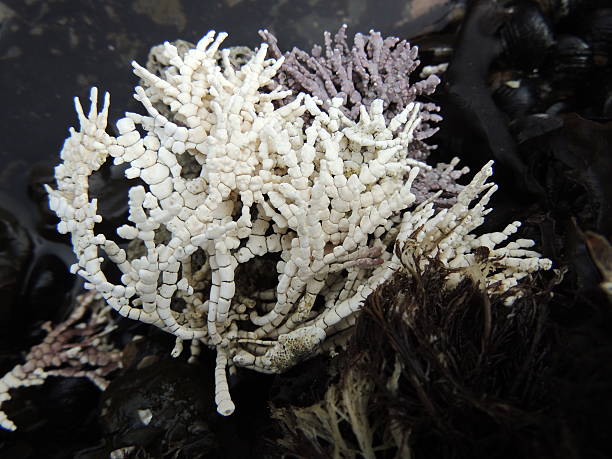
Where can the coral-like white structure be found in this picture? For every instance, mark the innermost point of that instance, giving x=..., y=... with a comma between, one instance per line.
x=446, y=236
x=227, y=183
x=372, y=68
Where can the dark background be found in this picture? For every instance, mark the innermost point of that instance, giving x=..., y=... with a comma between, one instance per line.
x=51, y=51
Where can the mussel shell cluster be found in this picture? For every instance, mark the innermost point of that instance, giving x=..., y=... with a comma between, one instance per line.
x=553, y=56
x=562, y=9
x=560, y=53
x=527, y=35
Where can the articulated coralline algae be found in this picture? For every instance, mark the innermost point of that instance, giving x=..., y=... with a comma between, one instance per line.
x=235, y=171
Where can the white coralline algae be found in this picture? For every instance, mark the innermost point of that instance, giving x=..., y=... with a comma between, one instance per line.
x=226, y=183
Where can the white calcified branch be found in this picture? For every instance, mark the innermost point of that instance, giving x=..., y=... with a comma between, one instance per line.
x=229, y=183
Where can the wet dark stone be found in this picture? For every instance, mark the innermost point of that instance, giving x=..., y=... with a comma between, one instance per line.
x=178, y=397
x=304, y=384
x=62, y=409
x=15, y=250
x=167, y=408
x=534, y=126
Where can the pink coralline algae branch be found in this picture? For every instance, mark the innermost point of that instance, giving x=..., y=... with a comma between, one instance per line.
x=78, y=347
x=374, y=68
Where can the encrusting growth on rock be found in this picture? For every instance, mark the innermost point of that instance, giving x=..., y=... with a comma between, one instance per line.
x=228, y=177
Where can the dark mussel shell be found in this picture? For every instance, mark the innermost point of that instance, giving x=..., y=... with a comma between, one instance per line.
x=597, y=28
x=606, y=109
x=599, y=99
x=516, y=97
x=534, y=125
x=572, y=59
x=527, y=36
x=561, y=9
